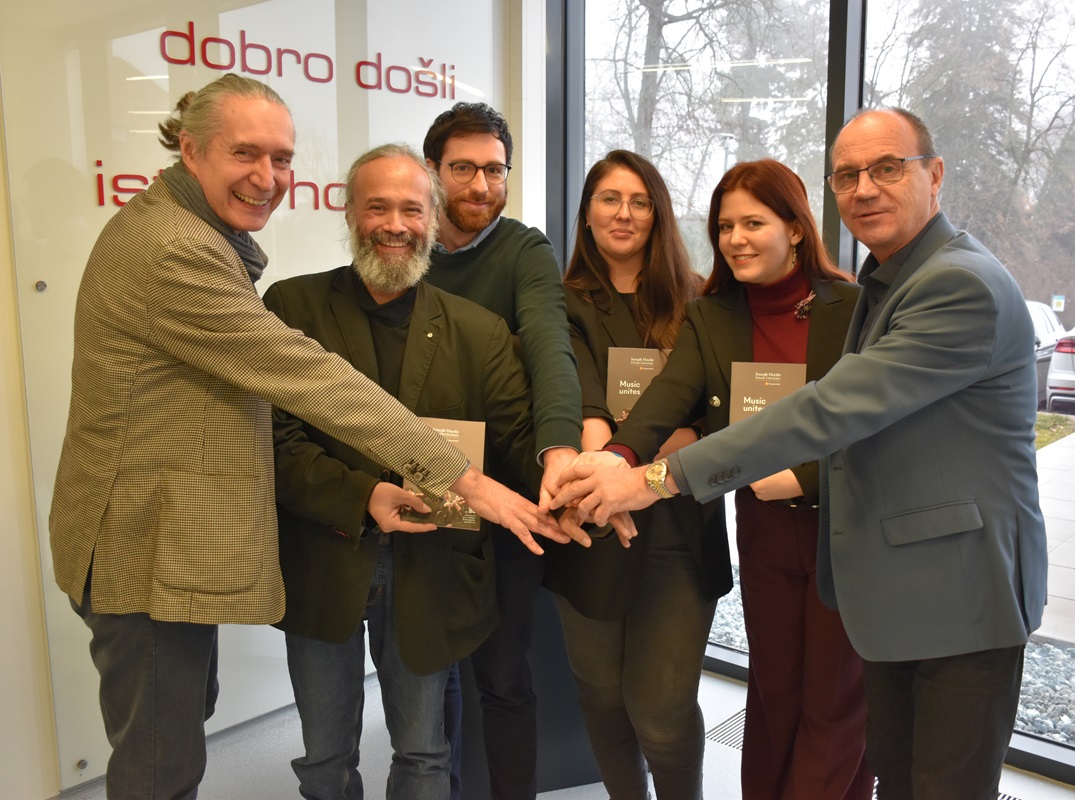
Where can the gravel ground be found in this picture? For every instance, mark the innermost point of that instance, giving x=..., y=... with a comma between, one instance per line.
x=1046, y=701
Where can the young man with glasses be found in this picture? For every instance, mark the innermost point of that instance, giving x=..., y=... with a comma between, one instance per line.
x=511, y=269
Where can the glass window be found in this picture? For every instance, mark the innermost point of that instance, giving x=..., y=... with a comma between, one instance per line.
x=1004, y=122
x=696, y=85
x=995, y=82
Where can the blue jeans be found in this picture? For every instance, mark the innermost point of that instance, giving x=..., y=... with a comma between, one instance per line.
x=158, y=686
x=453, y=727
x=328, y=680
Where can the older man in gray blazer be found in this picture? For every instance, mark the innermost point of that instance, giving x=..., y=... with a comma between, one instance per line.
x=163, y=521
x=932, y=528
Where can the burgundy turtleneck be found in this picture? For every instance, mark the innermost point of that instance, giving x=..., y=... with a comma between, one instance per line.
x=778, y=336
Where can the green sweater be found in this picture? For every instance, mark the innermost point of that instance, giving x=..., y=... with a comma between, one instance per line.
x=513, y=273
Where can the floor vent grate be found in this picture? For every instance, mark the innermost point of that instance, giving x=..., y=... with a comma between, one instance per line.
x=730, y=732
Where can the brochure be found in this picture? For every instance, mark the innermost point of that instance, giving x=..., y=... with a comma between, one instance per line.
x=757, y=385
x=630, y=371
x=451, y=511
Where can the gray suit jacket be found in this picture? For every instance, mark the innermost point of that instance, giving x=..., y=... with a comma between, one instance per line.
x=459, y=363
x=165, y=479
x=937, y=541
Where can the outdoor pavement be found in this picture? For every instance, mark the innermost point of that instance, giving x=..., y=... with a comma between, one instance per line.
x=1056, y=484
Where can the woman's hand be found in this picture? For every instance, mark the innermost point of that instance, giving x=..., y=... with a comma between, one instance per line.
x=781, y=486
x=681, y=437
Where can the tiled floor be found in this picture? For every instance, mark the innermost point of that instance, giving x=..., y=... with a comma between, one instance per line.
x=251, y=761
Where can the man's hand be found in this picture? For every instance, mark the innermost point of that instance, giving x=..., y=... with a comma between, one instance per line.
x=386, y=504
x=621, y=523
x=571, y=525
x=501, y=505
x=600, y=458
x=600, y=492
x=556, y=460
x=781, y=486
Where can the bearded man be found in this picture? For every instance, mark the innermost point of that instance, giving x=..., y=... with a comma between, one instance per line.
x=511, y=270
x=345, y=552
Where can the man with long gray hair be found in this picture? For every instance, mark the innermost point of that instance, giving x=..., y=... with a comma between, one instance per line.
x=163, y=521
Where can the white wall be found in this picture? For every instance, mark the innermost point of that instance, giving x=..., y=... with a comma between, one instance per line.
x=27, y=739
x=64, y=67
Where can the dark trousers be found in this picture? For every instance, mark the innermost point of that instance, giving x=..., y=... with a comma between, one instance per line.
x=453, y=729
x=939, y=728
x=158, y=686
x=502, y=673
x=805, y=727
x=638, y=676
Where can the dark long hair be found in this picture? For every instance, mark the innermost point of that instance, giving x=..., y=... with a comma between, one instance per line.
x=773, y=185
x=666, y=283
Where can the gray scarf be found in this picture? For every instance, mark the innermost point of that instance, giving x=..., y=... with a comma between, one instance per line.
x=188, y=193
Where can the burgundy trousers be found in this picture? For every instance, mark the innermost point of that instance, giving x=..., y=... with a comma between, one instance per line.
x=805, y=727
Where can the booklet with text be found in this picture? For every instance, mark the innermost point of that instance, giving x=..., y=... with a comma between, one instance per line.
x=757, y=385
x=630, y=371
x=451, y=511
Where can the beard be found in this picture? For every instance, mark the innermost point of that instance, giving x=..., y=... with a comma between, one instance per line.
x=392, y=273
x=472, y=221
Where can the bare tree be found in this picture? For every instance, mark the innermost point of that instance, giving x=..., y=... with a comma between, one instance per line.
x=698, y=85
x=995, y=82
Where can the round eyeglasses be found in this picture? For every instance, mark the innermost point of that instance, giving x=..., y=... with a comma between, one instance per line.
x=465, y=172
x=883, y=173
x=609, y=204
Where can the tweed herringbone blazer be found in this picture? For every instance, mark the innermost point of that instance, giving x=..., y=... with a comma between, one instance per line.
x=165, y=480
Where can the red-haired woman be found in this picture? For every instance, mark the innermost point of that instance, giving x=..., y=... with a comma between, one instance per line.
x=774, y=296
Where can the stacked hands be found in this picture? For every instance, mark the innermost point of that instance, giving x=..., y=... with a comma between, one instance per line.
x=600, y=487
x=597, y=487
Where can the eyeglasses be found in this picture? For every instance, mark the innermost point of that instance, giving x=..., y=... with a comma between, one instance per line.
x=610, y=203
x=465, y=172
x=883, y=173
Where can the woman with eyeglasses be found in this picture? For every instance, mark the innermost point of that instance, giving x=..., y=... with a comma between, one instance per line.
x=636, y=620
x=774, y=296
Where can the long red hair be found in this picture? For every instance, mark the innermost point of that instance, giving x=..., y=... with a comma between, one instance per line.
x=774, y=185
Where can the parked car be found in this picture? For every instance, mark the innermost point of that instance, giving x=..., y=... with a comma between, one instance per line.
x=1047, y=330
x=1060, y=383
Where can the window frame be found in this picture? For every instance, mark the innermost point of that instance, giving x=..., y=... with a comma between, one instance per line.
x=565, y=81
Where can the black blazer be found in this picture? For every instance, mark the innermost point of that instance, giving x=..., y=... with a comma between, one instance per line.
x=937, y=540
x=718, y=331
x=459, y=363
x=599, y=581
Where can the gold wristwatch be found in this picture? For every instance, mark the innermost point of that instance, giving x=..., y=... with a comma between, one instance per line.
x=656, y=473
